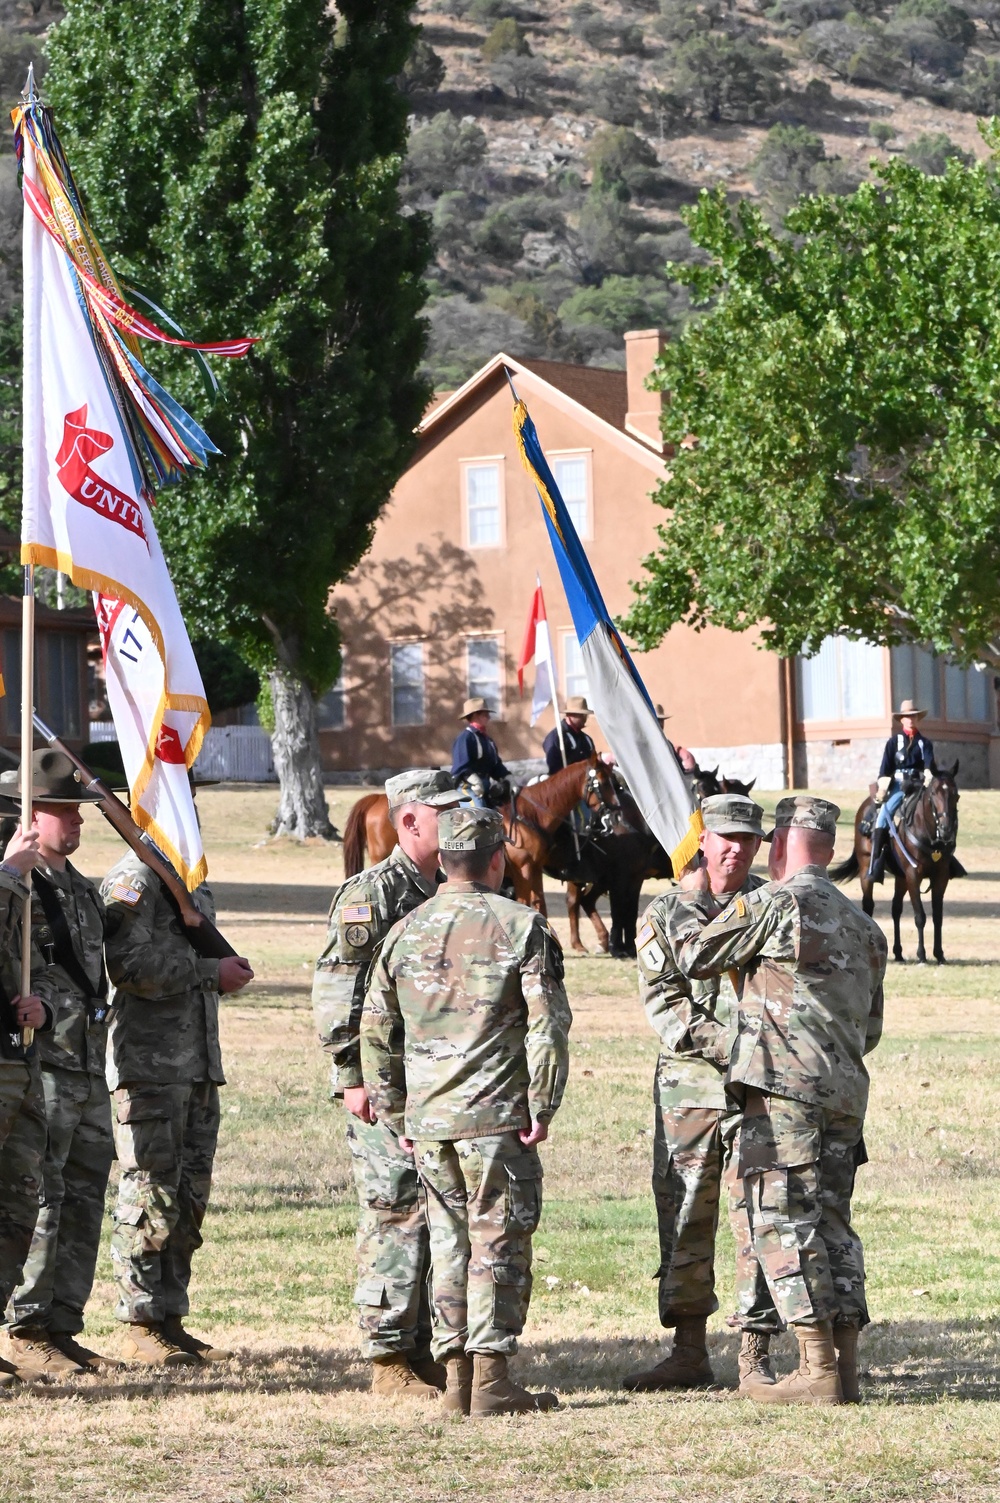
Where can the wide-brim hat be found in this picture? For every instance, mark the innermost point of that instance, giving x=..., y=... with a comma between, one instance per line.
x=577, y=705
x=909, y=709
x=54, y=780
x=473, y=707
x=661, y=713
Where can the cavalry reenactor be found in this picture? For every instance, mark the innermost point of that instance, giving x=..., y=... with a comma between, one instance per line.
x=164, y=1069
x=576, y=745
x=696, y=1123
x=811, y=967
x=475, y=760
x=45, y=1314
x=907, y=761
x=464, y=1053
x=392, y=1243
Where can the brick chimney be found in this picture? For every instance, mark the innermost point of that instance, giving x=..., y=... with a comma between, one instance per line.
x=642, y=346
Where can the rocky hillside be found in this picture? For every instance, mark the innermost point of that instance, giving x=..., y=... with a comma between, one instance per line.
x=555, y=142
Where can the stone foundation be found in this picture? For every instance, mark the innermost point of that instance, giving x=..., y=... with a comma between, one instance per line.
x=855, y=764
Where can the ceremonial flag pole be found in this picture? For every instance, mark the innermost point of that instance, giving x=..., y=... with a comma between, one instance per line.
x=27, y=697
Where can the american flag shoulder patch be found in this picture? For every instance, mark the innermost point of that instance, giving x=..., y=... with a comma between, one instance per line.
x=361, y=913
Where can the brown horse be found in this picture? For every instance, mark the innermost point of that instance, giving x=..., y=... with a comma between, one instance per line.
x=533, y=820
x=922, y=847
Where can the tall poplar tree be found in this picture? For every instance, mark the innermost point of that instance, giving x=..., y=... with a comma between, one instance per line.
x=241, y=160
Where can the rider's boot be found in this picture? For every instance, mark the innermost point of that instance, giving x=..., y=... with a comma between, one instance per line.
x=880, y=842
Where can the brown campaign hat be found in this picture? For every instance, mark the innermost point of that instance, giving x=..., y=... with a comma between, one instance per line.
x=54, y=780
x=473, y=707
x=661, y=713
x=910, y=709
x=422, y=785
x=805, y=812
x=577, y=705
x=470, y=829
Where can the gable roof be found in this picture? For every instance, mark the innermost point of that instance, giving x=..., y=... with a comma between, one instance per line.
x=598, y=399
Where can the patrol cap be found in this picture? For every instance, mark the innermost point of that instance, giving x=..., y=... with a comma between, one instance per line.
x=421, y=785
x=732, y=814
x=804, y=812
x=470, y=829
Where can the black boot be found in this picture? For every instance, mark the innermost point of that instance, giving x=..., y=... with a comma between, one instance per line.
x=876, y=866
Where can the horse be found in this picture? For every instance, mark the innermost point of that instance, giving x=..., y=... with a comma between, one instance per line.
x=533, y=818
x=619, y=856
x=922, y=847
x=733, y=785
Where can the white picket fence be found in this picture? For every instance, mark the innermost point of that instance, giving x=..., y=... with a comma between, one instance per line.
x=231, y=753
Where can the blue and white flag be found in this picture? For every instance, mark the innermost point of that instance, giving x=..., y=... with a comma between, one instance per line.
x=617, y=694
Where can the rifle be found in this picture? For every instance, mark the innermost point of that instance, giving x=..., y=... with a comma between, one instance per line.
x=201, y=933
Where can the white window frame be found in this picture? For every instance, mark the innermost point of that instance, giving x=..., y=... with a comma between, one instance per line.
x=495, y=461
x=340, y=687
x=841, y=646
x=498, y=639
x=587, y=455
x=407, y=642
x=570, y=646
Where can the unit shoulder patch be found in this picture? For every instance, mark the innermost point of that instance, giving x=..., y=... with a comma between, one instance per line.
x=652, y=956
x=357, y=935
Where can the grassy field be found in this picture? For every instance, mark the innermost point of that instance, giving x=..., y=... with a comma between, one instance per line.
x=289, y=1418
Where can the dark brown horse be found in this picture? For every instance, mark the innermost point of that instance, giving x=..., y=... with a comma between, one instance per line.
x=922, y=848
x=533, y=818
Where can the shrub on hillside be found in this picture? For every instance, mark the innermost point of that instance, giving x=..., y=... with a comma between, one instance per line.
x=792, y=161
x=718, y=76
x=423, y=72
x=622, y=162
x=614, y=95
x=505, y=38
x=442, y=153
x=521, y=76
x=933, y=150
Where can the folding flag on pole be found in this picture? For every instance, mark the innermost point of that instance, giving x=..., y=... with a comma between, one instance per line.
x=617, y=693
x=538, y=649
x=99, y=434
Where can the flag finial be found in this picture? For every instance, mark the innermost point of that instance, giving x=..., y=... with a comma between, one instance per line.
x=29, y=94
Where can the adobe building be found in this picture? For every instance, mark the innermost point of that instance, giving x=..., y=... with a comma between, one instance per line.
x=437, y=610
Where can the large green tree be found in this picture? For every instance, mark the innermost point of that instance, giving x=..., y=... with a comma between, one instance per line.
x=837, y=421
x=241, y=162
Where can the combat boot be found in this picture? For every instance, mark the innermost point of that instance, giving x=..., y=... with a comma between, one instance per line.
x=687, y=1366
x=92, y=1361
x=494, y=1393
x=845, y=1339
x=816, y=1379
x=457, y=1397
x=205, y=1351
x=394, y=1378
x=876, y=866
x=147, y=1343
x=9, y=1375
x=755, y=1363
x=34, y=1353
x=428, y=1371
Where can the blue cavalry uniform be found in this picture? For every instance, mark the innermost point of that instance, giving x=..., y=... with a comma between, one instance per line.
x=475, y=760
x=906, y=760
x=578, y=748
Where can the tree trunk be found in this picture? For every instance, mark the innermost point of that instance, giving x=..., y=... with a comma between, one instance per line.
x=302, y=809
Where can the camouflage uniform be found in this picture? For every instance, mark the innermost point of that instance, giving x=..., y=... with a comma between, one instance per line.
x=22, y=1107
x=164, y=1069
x=392, y=1243
x=810, y=1009
x=59, y=1272
x=463, y=1044
x=695, y=1127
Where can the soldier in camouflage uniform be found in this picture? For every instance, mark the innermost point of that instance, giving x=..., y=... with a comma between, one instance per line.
x=392, y=1244
x=812, y=966
x=164, y=1070
x=22, y=1107
x=67, y=967
x=696, y=1123
x=464, y=1052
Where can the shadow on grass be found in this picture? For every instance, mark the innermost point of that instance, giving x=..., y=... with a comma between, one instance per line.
x=912, y=1362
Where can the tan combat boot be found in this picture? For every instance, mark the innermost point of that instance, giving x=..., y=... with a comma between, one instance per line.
x=394, y=1378
x=428, y=1371
x=816, y=1379
x=9, y=1375
x=147, y=1343
x=93, y=1362
x=687, y=1366
x=35, y=1355
x=845, y=1339
x=755, y=1363
x=457, y=1398
x=494, y=1393
x=205, y=1351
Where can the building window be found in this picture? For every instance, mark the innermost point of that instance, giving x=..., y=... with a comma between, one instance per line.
x=483, y=505
x=60, y=688
x=916, y=675
x=574, y=676
x=331, y=707
x=572, y=476
x=966, y=694
x=945, y=690
x=842, y=681
x=406, y=670
x=484, y=671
